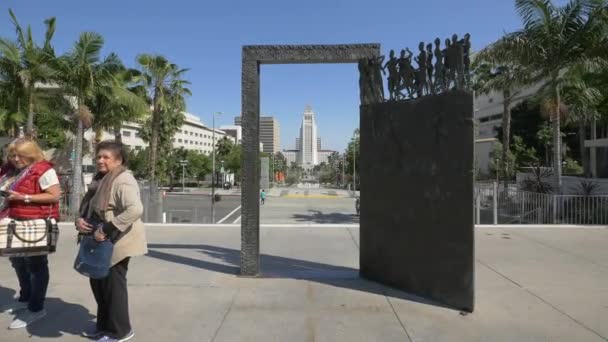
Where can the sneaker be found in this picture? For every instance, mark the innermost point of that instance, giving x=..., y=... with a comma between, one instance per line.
x=110, y=339
x=26, y=318
x=93, y=333
x=12, y=307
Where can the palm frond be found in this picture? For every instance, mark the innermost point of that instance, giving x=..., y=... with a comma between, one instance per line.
x=535, y=13
x=18, y=30
x=87, y=48
x=10, y=50
x=48, y=36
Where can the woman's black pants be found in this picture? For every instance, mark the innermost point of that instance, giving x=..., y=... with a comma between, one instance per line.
x=113, y=301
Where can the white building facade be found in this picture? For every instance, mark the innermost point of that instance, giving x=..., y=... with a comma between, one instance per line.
x=291, y=156
x=308, y=156
x=488, y=109
x=193, y=135
x=308, y=152
x=324, y=156
x=234, y=131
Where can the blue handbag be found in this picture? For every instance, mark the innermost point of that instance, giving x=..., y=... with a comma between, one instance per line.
x=94, y=257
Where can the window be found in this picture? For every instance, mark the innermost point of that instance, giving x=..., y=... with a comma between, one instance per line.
x=137, y=135
x=126, y=133
x=191, y=133
x=179, y=140
x=173, y=139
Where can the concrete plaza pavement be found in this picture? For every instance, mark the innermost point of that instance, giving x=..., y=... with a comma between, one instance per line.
x=531, y=285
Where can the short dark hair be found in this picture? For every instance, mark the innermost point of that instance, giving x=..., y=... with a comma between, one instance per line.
x=118, y=150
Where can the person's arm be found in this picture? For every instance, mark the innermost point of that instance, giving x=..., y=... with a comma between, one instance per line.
x=128, y=195
x=49, y=195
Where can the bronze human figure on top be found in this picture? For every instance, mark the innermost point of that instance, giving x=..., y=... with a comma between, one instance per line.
x=449, y=70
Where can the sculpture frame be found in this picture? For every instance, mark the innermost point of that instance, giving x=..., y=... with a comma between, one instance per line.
x=252, y=57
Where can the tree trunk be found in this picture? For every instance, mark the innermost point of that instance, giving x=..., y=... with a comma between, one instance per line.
x=506, y=134
x=117, y=134
x=557, y=143
x=77, y=186
x=154, y=140
x=153, y=185
x=592, y=150
x=29, y=128
x=582, y=135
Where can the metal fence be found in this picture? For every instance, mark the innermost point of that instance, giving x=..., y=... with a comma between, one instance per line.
x=65, y=207
x=495, y=204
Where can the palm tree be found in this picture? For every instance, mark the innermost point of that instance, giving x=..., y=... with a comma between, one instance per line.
x=30, y=62
x=167, y=89
x=583, y=101
x=495, y=75
x=114, y=103
x=223, y=147
x=11, y=88
x=79, y=72
x=554, y=39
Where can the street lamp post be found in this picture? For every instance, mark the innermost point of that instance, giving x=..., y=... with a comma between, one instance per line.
x=213, y=170
x=183, y=163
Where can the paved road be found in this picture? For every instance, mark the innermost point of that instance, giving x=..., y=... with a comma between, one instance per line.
x=282, y=206
x=196, y=208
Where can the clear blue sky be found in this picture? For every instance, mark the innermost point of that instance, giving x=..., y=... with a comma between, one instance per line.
x=206, y=36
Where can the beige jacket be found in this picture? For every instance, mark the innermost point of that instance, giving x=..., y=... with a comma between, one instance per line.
x=124, y=211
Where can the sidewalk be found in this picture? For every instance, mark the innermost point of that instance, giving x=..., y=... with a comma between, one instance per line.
x=531, y=285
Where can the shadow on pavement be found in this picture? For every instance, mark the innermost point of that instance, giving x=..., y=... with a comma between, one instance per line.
x=316, y=216
x=62, y=318
x=282, y=268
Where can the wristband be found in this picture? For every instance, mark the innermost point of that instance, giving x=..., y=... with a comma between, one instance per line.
x=27, y=199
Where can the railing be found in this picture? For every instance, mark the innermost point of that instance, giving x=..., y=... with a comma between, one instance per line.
x=493, y=204
x=496, y=205
x=64, y=208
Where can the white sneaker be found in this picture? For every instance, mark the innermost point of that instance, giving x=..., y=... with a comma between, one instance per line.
x=26, y=318
x=12, y=307
x=93, y=333
x=129, y=336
